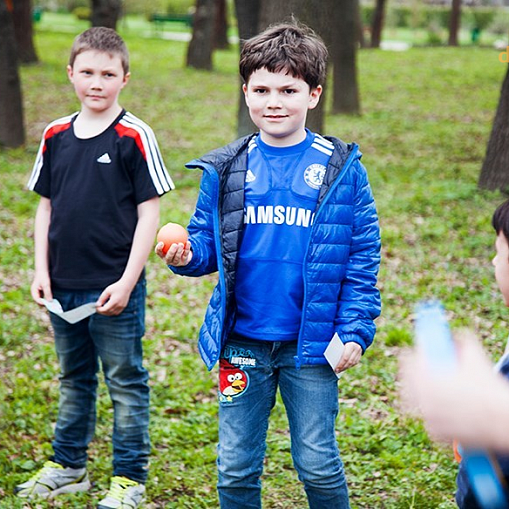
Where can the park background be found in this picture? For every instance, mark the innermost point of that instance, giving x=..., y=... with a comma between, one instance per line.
x=426, y=118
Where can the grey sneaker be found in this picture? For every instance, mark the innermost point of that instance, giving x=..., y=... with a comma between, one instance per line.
x=52, y=480
x=123, y=494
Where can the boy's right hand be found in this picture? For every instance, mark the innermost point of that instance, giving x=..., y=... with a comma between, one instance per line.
x=463, y=404
x=41, y=288
x=178, y=255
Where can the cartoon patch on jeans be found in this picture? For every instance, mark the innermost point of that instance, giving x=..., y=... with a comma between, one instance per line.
x=233, y=375
x=233, y=381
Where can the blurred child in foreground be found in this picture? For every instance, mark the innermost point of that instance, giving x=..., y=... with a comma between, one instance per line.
x=470, y=404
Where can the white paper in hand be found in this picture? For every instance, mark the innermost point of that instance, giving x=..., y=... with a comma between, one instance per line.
x=73, y=315
x=334, y=352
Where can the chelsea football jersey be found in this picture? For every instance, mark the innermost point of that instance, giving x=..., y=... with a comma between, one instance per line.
x=281, y=192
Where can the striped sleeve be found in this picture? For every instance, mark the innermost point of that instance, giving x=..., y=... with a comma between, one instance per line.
x=323, y=145
x=144, y=137
x=252, y=144
x=55, y=127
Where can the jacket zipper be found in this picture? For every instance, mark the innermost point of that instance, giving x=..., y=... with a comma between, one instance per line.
x=348, y=162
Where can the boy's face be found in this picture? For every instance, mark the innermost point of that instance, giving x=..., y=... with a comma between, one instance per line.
x=501, y=264
x=98, y=79
x=278, y=104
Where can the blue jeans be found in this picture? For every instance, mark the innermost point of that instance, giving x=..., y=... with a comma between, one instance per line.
x=249, y=375
x=116, y=341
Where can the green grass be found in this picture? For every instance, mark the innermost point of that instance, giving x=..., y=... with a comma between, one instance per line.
x=132, y=23
x=138, y=25
x=427, y=115
x=440, y=36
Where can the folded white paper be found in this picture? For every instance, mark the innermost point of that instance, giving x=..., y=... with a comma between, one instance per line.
x=334, y=352
x=73, y=315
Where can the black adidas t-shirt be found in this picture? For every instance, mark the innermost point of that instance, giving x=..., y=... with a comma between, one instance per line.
x=95, y=186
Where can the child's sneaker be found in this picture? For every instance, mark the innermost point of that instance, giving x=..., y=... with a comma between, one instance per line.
x=123, y=494
x=52, y=480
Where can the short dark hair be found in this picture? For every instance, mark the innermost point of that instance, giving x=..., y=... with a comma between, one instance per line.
x=290, y=47
x=500, y=220
x=101, y=39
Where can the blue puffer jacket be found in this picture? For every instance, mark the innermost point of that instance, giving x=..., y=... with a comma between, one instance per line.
x=341, y=263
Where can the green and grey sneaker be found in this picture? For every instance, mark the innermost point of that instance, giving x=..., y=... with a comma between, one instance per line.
x=123, y=494
x=52, y=480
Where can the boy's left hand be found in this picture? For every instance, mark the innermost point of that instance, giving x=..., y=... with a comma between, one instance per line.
x=113, y=299
x=351, y=356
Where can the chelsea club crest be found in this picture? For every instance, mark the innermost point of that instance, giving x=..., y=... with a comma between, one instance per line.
x=314, y=174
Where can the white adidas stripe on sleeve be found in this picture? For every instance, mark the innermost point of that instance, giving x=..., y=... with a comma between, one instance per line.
x=158, y=172
x=36, y=170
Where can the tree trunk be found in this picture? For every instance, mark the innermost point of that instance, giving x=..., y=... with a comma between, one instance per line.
x=199, y=51
x=344, y=59
x=378, y=23
x=248, y=15
x=12, y=132
x=221, y=28
x=454, y=22
x=106, y=13
x=360, y=26
x=495, y=168
x=23, y=28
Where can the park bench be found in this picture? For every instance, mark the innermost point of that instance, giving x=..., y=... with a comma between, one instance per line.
x=160, y=19
x=37, y=14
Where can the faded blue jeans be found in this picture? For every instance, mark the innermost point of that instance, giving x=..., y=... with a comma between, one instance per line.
x=249, y=374
x=116, y=342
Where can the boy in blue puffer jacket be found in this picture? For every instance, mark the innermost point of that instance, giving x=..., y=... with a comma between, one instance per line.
x=288, y=220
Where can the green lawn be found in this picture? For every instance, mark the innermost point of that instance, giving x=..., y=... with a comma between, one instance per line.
x=132, y=24
x=427, y=115
x=138, y=25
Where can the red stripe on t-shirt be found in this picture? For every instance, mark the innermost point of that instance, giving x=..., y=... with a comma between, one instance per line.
x=122, y=130
x=54, y=130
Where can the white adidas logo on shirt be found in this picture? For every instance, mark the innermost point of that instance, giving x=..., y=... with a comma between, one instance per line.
x=105, y=158
x=250, y=176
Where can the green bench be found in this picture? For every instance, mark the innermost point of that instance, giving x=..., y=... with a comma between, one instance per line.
x=37, y=14
x=161, y=19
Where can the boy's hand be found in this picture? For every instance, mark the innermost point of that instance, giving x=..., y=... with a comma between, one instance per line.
x=41, y=288
x=178, y=255
x=114, y=299
x=351, y=356
x=467, y=403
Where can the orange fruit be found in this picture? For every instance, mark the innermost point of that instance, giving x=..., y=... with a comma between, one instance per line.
x=456, y=450
x=171, y=233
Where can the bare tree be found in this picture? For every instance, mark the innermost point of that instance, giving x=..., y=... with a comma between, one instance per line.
x=12, y=132
x=23, y=29
x=495, y=169
x=221, y=27
x=248, y=19
x=377, y=23
x=106, y=13
x=454, y=22
x=344, y=59
x=360, y=26
x=199, y=51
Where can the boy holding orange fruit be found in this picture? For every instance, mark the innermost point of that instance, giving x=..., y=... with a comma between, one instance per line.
x=287, y=218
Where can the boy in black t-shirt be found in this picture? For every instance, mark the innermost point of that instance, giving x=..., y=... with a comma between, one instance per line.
x=99, y=173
